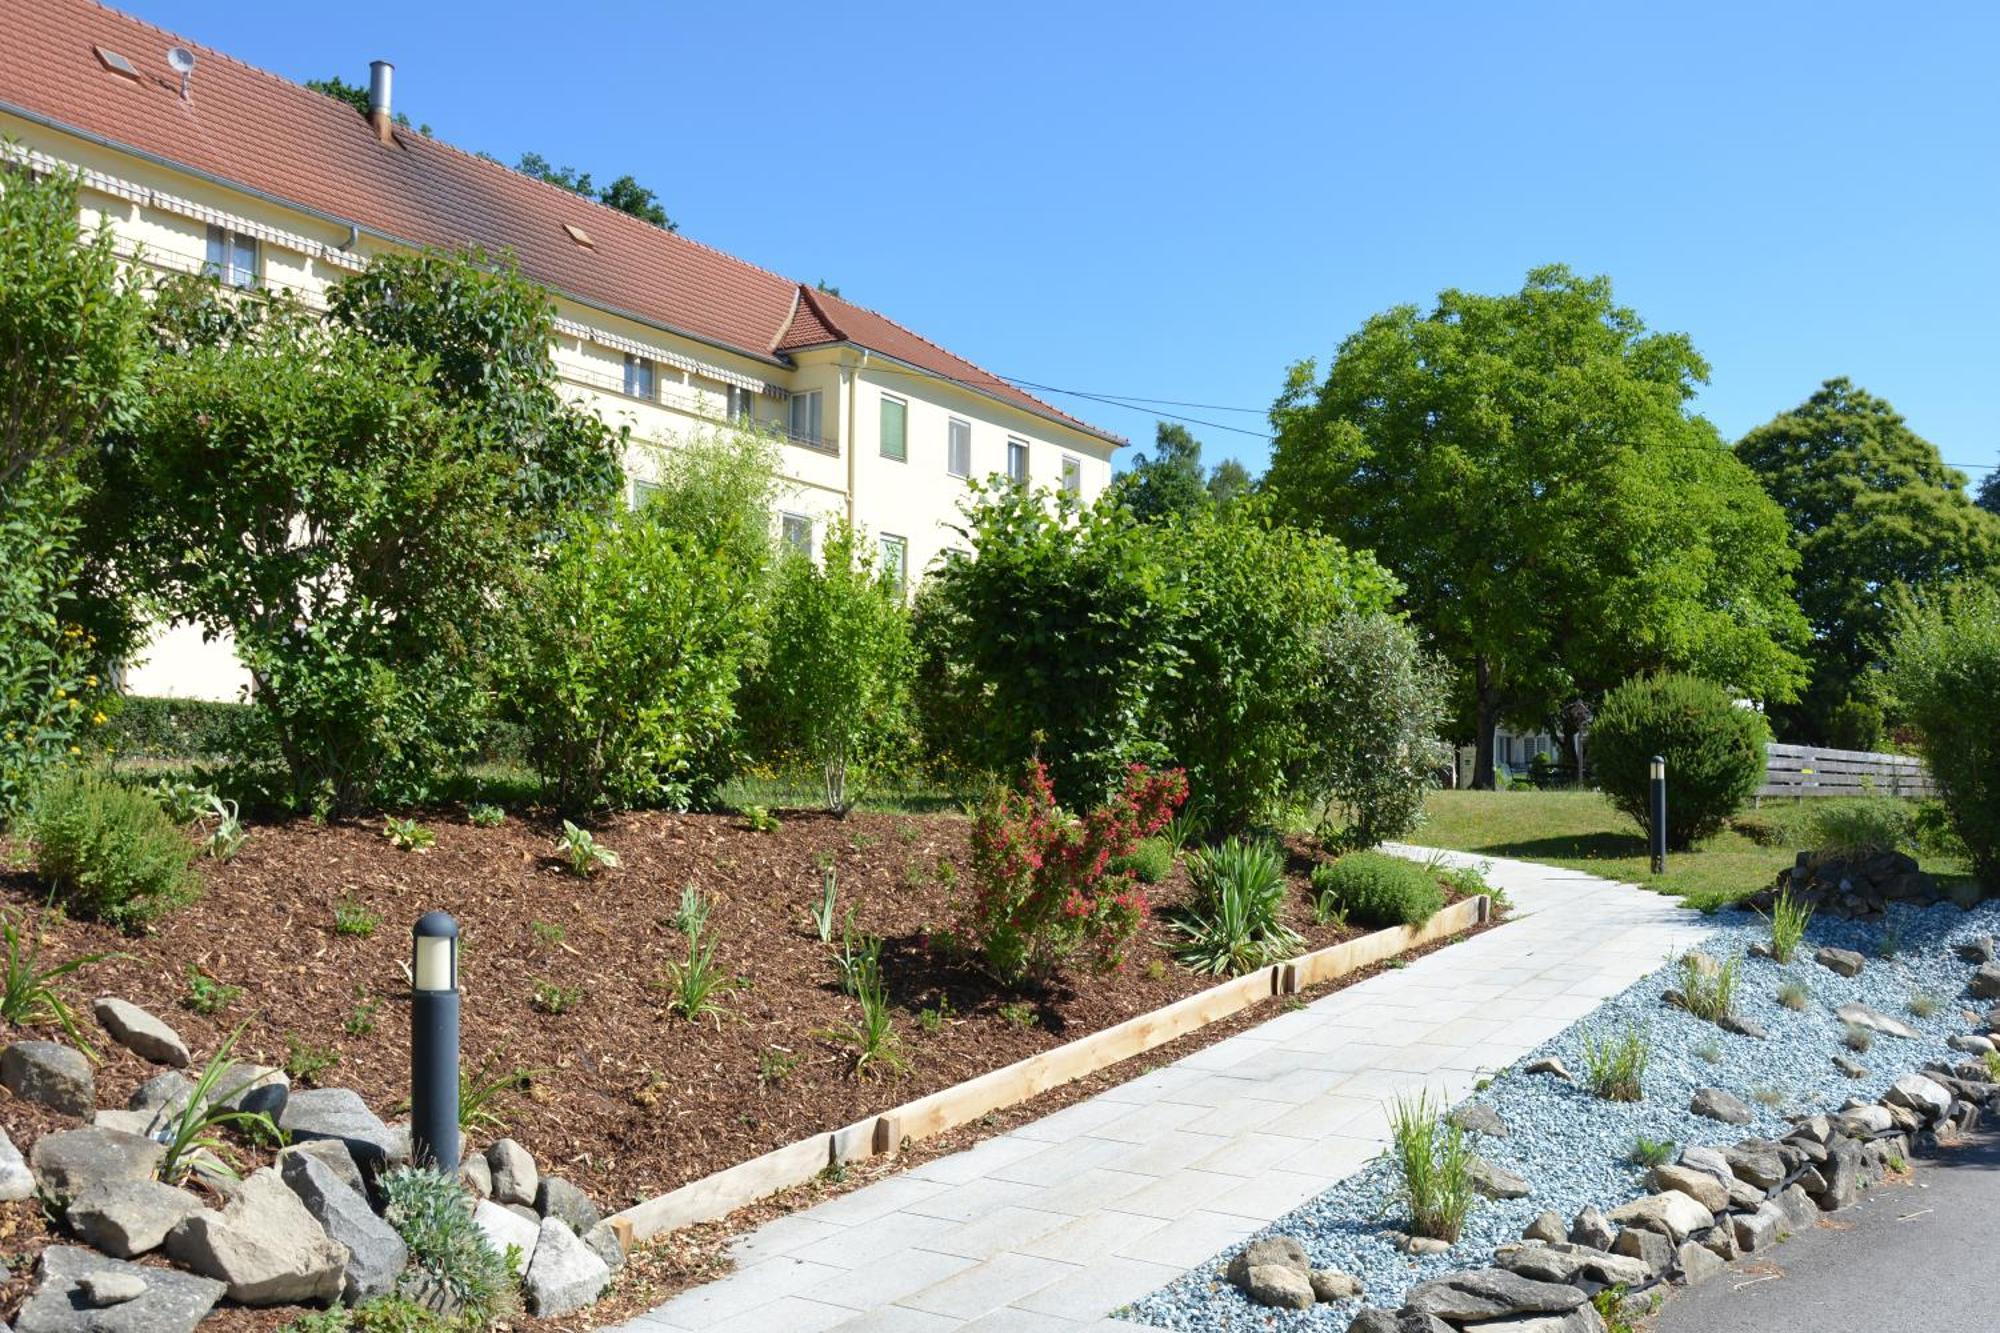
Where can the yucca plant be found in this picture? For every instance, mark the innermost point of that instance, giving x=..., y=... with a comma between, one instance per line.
x=190, y=1131
x=28, y=992
x=876, y=1044
x=822, y=910
x=1790, y=915
x=582, y=852
x=1184, y=828
x=694, y=985
x=1433, y=1161
x=1615, y=1066
x=1235, y=923
x=692, y=914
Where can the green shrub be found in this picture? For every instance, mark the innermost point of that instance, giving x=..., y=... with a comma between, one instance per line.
x=1235, y=922
x=1615, y=1066
x=1376, y=889
x=1151, y=861
x=1707, y=987
x=1944, y=674
x=1714, y=752
x=110, y=852
x=1649, y=1151
x=1854, y=724
x=1862, y=827
x=1760, y=829
x=432, y=1212
x=145, y=727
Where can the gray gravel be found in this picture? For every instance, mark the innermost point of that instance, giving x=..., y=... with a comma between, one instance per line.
x=1572, y=1148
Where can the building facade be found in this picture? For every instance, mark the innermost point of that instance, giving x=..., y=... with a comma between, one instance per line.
x=232, y=171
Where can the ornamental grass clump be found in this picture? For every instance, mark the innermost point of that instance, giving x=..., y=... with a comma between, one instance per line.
x=1707, y=988
x=28, y=991
x=1615, y=1066
x=1790, y=915
x=1236, y=922
x=1043, y=888
x=1433, y=1163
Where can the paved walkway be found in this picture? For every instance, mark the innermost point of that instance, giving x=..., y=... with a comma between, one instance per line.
x=1059, y=1222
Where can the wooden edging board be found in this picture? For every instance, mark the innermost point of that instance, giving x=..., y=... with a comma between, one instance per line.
x=796, y=1163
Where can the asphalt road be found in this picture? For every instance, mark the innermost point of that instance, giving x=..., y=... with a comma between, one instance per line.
x=1909, y=1256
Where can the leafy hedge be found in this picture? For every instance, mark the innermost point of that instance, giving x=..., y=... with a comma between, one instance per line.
x=1944, y=675
x=143, y=726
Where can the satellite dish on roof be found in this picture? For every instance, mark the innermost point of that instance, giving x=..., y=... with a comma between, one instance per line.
x=181, y=61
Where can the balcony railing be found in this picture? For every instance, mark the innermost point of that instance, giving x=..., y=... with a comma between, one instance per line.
x=814, y=442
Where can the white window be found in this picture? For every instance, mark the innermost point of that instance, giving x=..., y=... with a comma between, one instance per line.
x=958, y=448
x=895, y=560
x=895, y=429
x=805, y=417
x=643, y=491
x=742, y=403
x=796, y=531
x=231, y=257
x=639, y=376
x=1072, y=476
x=1017, y=462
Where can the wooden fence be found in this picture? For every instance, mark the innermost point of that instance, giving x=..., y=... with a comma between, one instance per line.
x=1808, y=770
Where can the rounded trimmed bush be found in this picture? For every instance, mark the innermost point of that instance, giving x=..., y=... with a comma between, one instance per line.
x=1714, y=751
x=109, y=851
x=1150, y=862
x=1376, y=889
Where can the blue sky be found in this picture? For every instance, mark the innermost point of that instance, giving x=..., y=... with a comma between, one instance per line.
x=1176, y=201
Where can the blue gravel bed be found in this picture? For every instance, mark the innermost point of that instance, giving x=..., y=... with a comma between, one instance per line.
x=1572, y=1148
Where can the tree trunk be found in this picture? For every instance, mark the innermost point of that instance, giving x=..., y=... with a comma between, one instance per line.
x=1486, y=711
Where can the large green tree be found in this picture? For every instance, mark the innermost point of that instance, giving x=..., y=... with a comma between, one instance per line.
x=1876, y=514
x=1988, y=495
x=1528, y=465
x=1168, y=480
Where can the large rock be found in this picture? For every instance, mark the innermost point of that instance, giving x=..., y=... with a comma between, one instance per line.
x=605, y=1243
x=557, y=1198
x=128, y=1218
x=1495, y=1182
x=476, y=1175
x=376, y=1255
x=504, y=1229
x=1398, y=1321
x=1490, y=1293
x=1265, y=1284
x=1700, y=1186
x=1844, y=961
x=171, y=1303
x=1574, y=1264
x=49, y=1074
x=1668, y=1213
x=1986, y=981
x=514, y=1176
x=331, y=1154
x=1583, y=1319
x=1865, y=1122
x=1756, y=1163
x=1716, y=1104
x=257, y=1088
x=339, y=1113
x=1861, y=1016
x=1742, y=1025
x=69, y=1162
x=16, y=1180
x=264, y=1245
x=1648, y=1247
x=1479, y=1118
x=1592, y=1228
x=1332, y=1285
x=1758, y=1230
x=140, y=1032
x=1282, y=1250
x=1801, y=1213
x=1547, y=1228
x=565, y=1276
x=1698, y=1263
x=1919, y=1094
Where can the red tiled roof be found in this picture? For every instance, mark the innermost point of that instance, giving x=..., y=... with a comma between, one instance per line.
x=254, y=130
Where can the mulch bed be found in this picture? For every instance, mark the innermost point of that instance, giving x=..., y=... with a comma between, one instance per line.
x=626, y=1099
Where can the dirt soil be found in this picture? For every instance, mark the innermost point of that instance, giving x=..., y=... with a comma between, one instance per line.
x=566, y=978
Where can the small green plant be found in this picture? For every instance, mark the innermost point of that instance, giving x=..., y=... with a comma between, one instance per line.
x=1790, y=915
x=1768, y=1096
x=206, y=995
x=1923, y=1005
x=933, y=1019
x=1794, y=995
x=1610, y=1307
x=1707, y=988
x=760, y=820
x=1156, y=970
x=182, y=802
x=227, y=837
x=1376, y=889
x=1433, y=1163
x=1615, y=1065
x=547, y=934
x=432, y=1212
x=692, y=915
x=353, y=918
x=822, y=910
x=1019, y=1014
x=695, y=984
x=1236, y=922
x=190, y=1134
x=946, y=874
x=1710, y=1051
x=1151, y=861
x=1991, y=1059
x=108, y=851
x=877, y=1045
x=550, y=998
x=480, y=1092
x=305, y=1062
x=860, y=957
x=774, y=1065
x=28, y=991
x=361, y=1022
x=581, y=852
x=1896, y=1163
x=1649, y=1152
x=1857, y=1038
x=383, y=1314
x=1185, y=827
x=407, y=835
x=485, y=814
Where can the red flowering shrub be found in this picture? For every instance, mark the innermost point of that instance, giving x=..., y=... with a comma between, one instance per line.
x=1043, y=886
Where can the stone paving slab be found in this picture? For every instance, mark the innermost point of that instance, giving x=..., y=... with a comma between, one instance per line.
x=1057, y=1223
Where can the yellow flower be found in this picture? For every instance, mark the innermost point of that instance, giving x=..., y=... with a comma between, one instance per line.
x=98, y=719
x=91, y=681
x=75, y=750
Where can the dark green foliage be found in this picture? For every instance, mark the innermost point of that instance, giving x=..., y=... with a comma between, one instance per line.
x=1854, y=724
x=109, y=852
x=1167, y=481
x=140, y=726
x=1151, y=861
x=1375, y=889
x=624, y=194
x=1713, y=748
x=1944, y=675
x=433, y=1214
x=1874, y=510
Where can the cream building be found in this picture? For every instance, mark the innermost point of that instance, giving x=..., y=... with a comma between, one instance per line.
x=201, y=163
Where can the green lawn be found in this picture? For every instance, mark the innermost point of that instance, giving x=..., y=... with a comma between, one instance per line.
x=1580, y=830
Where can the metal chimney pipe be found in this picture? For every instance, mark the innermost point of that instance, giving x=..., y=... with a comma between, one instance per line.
x=381, y=86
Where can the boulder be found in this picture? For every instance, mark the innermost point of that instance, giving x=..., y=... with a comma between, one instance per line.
x=565, y=1276
x=1398, y=1321
x=1865, y=1122
x=503, y=1229
x=49, y=1074
x=1479, y=1118
x=1742, y=1025
x=1648, y=1247
x=1552, y=1066
x=1700, y=1186
x=1495, y=1182
x=1758, y=1230
x=1583, y=1319
x=1716, y=1104
x=257, y=1088
x=1670, y=1213
x=475, y=1175
x=1756, y=1163
x=557, y=1198
x=1709, y=1160
x=376, y=1255
x=1331, y=1285
x=131, y=1122
x=1697, y=1264
x=165, y=1093
x=1575, y=1264
x=604, y=1243
x=1547, y=1228
x=140, y=1032
x=514, y=1176
x=70, y=1161
x=171, y=1302
x=339, y=1113
x=264, y=1246
x=1801, y=1213
x=1970, y=1043
x=1720, y=1240
x=1278, y=1286
x=1844, y=961
x=331, y=1154
x=128, y=1218
x=1281, y=1250
x=1978, y=949
x=16, y=1180
x=1986, y=981
x=1861, y=1016
x=1920, y=1095
x=1490, y=1293
x=1591, y=1228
